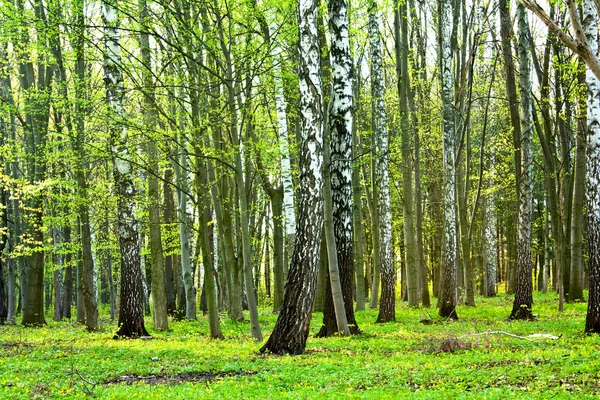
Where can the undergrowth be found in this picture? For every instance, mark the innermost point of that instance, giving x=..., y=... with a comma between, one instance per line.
x=406, y=358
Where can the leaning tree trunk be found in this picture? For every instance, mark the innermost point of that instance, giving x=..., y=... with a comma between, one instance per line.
x=293, y=323
x=340, y=154
x=592, y=322
x=447, y=300
x=524, y=283
x=131, y=316
x=387, y=302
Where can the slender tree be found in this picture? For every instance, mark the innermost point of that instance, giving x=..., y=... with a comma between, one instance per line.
x=340, y=154
x=387, y=302
x=447, y=300
x=131, y=316
x=293, y=323
x=524, y=284
x=590, y=21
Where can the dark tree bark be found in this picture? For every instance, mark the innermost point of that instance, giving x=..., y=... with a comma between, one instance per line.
x=340, y=118
x=293, y=323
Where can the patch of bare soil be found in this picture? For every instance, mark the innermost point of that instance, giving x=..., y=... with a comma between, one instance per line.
x=175, y=379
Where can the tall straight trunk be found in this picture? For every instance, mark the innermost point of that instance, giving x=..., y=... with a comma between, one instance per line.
x=240, y=181
x=159, y=298
x=375, y=233
x=524, y=284
x=338, y=185
x=184, y=233
x=169, y=218
x=357, y=214
x=447, y=300
x=204, y=216
x=334, y=313
x=506, y=32
x=387, y=302
x=590, y=21
x=403, y=78
x=68, y=277
x=37, y=104
x=131, y=317
x=4, y=239
x=421, y=65
x=286, y=169
x=490, y=246
x=293, y=323
x=577, y=214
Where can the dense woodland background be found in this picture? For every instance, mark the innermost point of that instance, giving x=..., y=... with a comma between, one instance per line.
x=155, y=158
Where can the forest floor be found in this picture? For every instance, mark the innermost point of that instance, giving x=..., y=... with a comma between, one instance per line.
x=406, y=358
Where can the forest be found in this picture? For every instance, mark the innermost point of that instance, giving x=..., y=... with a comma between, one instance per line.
x=299, y=199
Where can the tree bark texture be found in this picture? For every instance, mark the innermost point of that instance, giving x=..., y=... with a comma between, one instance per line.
x=447, y=301
x=592, y=321
x=131, y=317
x=524, y=283
x=293, y=323
x=340, y=145
x=387, y=302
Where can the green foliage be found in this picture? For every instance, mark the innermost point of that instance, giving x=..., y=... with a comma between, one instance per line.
x=395, y=360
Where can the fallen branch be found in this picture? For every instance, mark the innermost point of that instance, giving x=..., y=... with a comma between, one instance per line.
x=530, y=338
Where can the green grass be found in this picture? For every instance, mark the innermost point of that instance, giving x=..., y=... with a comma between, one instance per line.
x=395, y=360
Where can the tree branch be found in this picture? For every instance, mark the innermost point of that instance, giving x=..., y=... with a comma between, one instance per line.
x=578, y=44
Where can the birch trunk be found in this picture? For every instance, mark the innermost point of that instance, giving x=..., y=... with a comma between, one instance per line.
x=523, y=283
x=448, y=288
x=387, y=302
x=293, y=323
x=131, y=317
x=490, y=241
x=338, y=177
x=590, y=21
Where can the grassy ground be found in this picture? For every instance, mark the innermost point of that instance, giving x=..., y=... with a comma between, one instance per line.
x=397, y=360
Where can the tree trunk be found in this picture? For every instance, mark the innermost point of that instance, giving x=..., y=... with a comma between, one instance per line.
x=402, y=67
x=592, y=321
x=387, y=302
x=293, y=323
x=524, y=285
x=577, y=214
x=338, y=185
x=131, y=317
x=159, y=299
x=447, y=300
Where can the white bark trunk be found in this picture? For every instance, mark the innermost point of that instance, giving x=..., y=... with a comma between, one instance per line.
x=590, y=21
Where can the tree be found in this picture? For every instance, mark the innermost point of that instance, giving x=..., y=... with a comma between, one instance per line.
x=447, y=299
x=340, y=154
x=292, y=325
x=387, y=302
x=131, y=316
x=590, y=21
x=524, y=284
x=401, y=46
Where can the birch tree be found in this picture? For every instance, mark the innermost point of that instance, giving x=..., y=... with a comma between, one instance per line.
x=447, y=300
x=590, y=21
x=131, y=317
x=340, y=145
x=293, y=323
x=524, y=284
x=387, y=302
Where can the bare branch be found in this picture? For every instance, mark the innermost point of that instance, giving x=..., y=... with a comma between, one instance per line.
x=578, y=44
